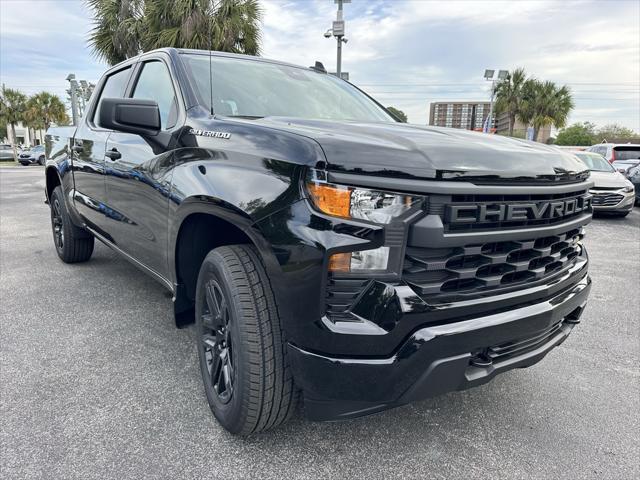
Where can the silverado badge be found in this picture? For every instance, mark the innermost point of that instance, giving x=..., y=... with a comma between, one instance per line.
x=209, y=133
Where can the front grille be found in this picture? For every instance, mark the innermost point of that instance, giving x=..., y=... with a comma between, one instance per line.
x=606, y=199
x=480, y=267
x=490, y=201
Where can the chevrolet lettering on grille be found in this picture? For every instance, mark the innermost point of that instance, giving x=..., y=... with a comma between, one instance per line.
x=514, y=212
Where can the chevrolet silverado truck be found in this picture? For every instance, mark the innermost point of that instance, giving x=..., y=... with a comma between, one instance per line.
x=325, y=251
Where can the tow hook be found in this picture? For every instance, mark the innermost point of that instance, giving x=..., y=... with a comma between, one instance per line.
x=481, y=360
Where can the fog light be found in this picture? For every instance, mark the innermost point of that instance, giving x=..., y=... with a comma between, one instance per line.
x=360, y=261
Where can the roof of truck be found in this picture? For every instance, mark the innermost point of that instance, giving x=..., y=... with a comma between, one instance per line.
x=172, y=52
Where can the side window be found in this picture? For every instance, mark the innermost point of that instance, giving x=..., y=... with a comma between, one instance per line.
x=155, y=83
x=114, y=87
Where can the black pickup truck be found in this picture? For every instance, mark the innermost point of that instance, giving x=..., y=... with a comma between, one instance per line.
x=322, y=249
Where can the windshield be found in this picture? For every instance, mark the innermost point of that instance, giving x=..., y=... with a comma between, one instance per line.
x=260, y=89
x=595, y=162
x=627, y=153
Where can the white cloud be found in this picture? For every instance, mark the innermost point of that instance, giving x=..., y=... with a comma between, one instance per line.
x=450, y=44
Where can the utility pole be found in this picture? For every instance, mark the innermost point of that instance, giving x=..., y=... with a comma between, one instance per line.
x=338, y=31
x=79, y=95
x=73, y=91
x=488, y=75
x=338, y=26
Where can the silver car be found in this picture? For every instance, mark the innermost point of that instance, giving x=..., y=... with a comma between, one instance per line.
x=612, y=192
x=6, y=152
x=33, y=155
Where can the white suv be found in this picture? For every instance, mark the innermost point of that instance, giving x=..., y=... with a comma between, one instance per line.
x=616, y=151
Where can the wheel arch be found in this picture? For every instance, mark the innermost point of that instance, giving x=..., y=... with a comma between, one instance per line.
x=190, y=240
x=52, y=180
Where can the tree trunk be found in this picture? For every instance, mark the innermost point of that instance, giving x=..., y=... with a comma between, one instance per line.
x=14, y=142
x=536, y=131
x=512, y=123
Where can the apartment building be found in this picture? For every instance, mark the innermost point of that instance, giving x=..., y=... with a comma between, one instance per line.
x=469, y=115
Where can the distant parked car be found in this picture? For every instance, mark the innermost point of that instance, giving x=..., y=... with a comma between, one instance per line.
x=616, y=151
x=633, y=175
x=612, y=192
x=631, y=170
x=33, y=155
x=6, y=152
x=624, y=166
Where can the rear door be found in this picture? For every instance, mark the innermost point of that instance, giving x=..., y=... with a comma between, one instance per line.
x=138, y=171
x=89, y=146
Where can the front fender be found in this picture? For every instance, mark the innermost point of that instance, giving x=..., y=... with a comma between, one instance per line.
x=238, y=188
x=220, y=209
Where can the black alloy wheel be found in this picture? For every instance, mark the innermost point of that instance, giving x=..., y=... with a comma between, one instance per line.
x=73, y=244
x=241, y=347
x=56, y=224
x=215, y=335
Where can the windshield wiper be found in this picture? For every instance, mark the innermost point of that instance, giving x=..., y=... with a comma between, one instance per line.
x=248, y=117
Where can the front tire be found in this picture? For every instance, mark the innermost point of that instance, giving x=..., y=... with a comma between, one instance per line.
x=242, y=353
x=73, y=244
x=41, y=160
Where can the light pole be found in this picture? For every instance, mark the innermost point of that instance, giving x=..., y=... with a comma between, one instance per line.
x=338, y=30
x=73, y=83
x=488, y=75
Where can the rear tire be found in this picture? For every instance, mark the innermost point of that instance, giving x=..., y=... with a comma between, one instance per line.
x=241, y=347
x=73, y=244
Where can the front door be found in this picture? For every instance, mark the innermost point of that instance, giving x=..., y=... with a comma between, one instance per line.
x=139, y=175
x=87, y=153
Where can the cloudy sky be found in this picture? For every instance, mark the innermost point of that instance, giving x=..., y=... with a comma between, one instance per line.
x=405, y=53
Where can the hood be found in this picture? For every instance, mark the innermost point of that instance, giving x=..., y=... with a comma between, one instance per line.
x=609, y=180
x=399, y=149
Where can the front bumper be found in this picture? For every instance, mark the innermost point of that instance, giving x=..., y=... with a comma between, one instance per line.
x=437, y=359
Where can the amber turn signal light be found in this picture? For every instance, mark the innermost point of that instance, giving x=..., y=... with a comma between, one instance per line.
x=330, y=199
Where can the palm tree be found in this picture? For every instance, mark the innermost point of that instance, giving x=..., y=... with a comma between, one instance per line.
x=544, y=103
x=225, y=25
x=13, y=105
x=116, y=32
x=509, y=95
x=43, y=109
x=124, y=28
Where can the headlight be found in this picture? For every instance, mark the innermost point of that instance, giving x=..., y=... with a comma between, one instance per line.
x=628, y=189
x=359, y=203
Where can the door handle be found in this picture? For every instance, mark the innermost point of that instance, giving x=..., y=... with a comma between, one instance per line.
x=113, y=154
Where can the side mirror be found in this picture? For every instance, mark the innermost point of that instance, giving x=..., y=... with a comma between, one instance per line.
x=130, y=115
x=622, y=170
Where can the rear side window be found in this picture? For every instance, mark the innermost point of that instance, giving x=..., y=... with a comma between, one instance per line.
x=601, y=150
x=627, y=153
x=155, y=83
x=114, y=87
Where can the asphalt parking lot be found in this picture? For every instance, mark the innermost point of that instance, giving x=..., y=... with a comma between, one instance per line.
x=96, y=382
